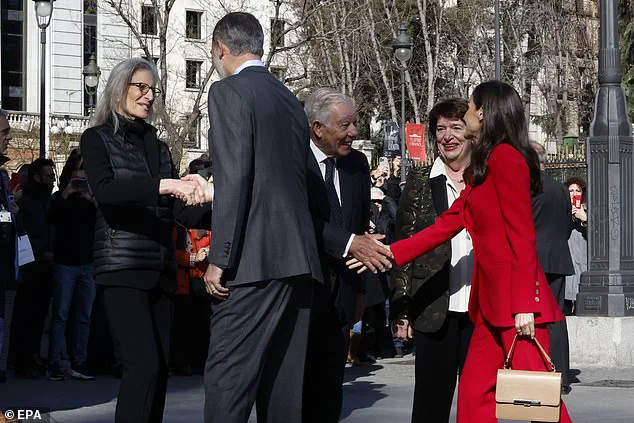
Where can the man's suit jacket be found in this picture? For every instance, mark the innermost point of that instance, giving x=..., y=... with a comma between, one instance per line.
x=422, y=286
x=507, y=277
x=258, y=138
x=552, y=213
x=354, y=183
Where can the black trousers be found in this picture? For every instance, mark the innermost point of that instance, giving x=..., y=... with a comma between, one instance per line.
x=190, y=331
x=140, y=323
x=257, y=351
x=32, y=299
x=558, y=331
x=325, y=361
x=439, y=358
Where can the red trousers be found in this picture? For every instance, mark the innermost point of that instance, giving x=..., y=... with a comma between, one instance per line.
x=476, y=390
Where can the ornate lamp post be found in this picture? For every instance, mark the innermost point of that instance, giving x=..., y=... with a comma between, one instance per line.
x=91, y=81
x=402, y=46
x=607, y=288
x=44, y=12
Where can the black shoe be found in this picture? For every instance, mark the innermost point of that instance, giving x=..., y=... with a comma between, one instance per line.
x=55, y=372
x=399, y=352
x=565, y=390
x=26, y=373
x=80, y=371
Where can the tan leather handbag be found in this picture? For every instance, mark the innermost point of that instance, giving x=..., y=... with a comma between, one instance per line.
x=528, y=395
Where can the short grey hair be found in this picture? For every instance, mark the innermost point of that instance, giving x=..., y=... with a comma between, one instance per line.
x=241, y=32
x=113, y=97
x=318, y=105
x=541, y=152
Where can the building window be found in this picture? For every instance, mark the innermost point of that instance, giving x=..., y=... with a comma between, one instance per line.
x=192, y=73
x=148, y=20
x=279, y=73
x=277, y=32
x=193, y=22
x=192, y=140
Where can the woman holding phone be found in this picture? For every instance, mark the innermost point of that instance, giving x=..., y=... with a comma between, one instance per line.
x=510, y=295
x=578, y=242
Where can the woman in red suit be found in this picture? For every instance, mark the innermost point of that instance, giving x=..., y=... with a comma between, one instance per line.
x=509, y=293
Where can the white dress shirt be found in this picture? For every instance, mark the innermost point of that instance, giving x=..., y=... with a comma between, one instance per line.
x=320, y=156
x=461, y=270
x=247, y=64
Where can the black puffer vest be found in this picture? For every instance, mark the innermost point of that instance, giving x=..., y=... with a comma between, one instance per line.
x=132, y=237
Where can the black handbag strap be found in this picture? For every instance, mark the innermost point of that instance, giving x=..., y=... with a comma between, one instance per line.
x=507, y=360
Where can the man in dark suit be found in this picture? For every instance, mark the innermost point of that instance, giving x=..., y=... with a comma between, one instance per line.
x=552, y=212
x=263, y=254
x=339, y=185
x=432, y=293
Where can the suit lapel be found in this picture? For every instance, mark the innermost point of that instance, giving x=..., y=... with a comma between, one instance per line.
x=438, y=186
x=317, y=186
x=346, y=186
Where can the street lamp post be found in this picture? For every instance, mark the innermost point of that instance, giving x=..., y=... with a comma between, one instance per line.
x=91, y=81
x=44, y=12
x=402, y=46
x=607, y=288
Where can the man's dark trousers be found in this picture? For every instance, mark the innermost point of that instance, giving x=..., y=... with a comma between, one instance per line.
x=559, y=345
x=258, y=357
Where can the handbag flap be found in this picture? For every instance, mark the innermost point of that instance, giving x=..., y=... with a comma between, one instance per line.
x=539, y=388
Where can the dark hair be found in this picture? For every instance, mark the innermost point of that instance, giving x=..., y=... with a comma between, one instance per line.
x=241, y=32
x=450, y=108
x=36, y=168
x=580, y=183
x=73, y=163
x=504, y=122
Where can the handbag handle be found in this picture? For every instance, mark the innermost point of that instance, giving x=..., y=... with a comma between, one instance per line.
x=507, y=360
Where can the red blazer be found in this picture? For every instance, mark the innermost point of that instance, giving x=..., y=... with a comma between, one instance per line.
x=507, y=277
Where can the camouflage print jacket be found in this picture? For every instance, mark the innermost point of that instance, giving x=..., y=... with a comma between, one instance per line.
x=422, y=287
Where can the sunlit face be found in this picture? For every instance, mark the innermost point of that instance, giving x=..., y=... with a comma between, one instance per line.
x=450, y=137
x=473, y=119
x=138, y=105
x=574, y=190
x=335, y=138
x=5, y=136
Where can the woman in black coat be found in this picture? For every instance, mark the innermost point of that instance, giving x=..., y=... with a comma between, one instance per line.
x=133, y=180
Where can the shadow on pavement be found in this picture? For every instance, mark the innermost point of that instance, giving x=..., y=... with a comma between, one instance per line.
x=359, y=395
x=353, y=373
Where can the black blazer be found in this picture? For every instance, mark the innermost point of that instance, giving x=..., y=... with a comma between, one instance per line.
x=422, y=287
x=354, y=183
x=261, y=225
x=552, y=213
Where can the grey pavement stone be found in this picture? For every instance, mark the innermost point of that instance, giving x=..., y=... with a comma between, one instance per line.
x=377, y=393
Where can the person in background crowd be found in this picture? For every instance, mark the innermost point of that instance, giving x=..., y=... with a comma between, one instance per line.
x=192, y=306
x=553, y=223
x=578, y=242
x=339, y=182
x=8, y=241
x=34, y=292
x=132, y=177
x=432, y=293
x=510, y=298
x=72, y=215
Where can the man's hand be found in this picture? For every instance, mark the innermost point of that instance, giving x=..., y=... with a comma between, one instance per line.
x=207, y=186
x=213, y=282
x=371, y=253
x=402, y=329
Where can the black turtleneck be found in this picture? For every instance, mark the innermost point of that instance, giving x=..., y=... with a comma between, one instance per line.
x=107, y=189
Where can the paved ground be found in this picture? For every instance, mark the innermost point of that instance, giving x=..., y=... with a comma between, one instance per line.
x=378, y=393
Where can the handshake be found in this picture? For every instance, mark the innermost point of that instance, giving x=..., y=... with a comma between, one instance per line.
x=192, y=189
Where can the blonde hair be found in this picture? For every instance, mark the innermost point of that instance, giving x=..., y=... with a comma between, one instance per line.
x=113, y=97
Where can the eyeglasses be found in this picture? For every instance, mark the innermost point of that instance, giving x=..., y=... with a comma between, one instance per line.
x=144, y=88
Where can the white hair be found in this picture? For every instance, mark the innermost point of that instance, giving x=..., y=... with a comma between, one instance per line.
x=318, y=105
x=113, y=97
